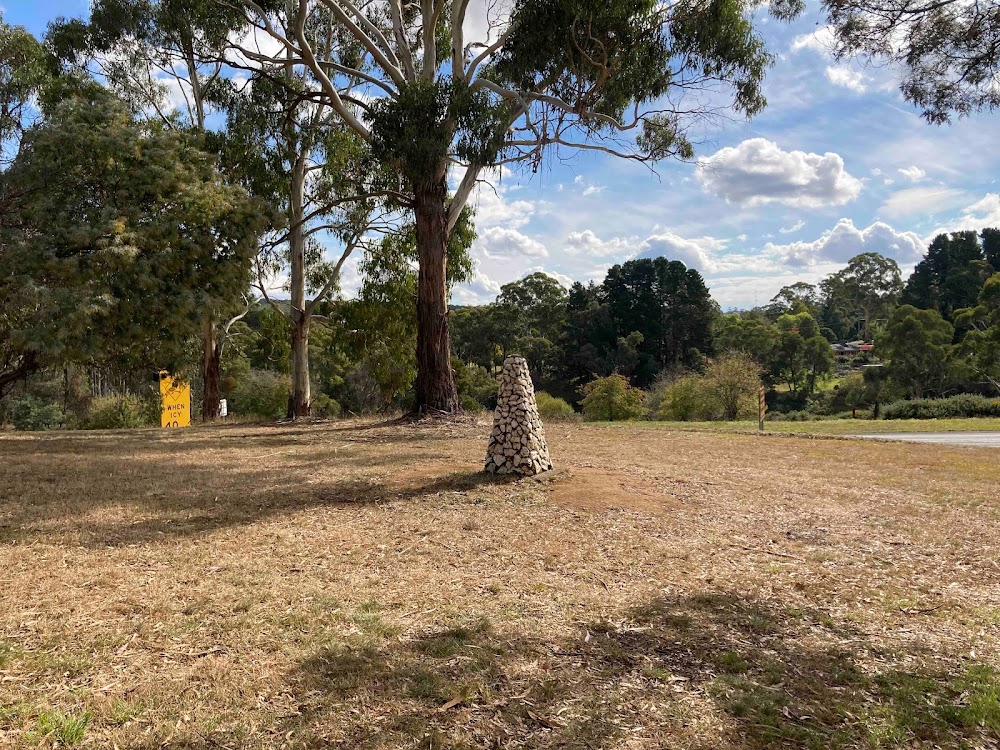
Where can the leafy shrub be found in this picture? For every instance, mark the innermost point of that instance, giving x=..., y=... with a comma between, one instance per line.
x=611, y=399
x=733, y=380
x=124, y=412
x=954, y=407
x=469, y=404
x=30, y=413
x=262, y=394
x=477, y=384
x=806, y=416
x=686, y=399
x=325, y=407
x=552, y=409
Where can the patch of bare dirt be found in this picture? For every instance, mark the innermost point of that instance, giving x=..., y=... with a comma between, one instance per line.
x=599, y=489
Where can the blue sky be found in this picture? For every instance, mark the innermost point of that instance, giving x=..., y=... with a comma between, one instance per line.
x=837, y=164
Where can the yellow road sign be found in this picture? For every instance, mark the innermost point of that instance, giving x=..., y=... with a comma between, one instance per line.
x=175, y=401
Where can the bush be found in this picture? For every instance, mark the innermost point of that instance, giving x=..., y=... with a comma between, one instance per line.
x=470, y=404
x=552, y=409
x=954, y=407
x=124, y=412
x=734, y=381
x=262, y=394
x=30, y=413
x=686, y=399
x=611, y=399
x=475, y=383
x=325, y=407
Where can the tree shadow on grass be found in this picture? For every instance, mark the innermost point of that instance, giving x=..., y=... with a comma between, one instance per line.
x=758, y=676
x=173, y=497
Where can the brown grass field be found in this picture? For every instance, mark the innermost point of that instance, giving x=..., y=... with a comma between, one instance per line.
x=362, y=585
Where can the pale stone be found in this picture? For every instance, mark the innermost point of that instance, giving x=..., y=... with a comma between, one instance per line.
x=517, y=443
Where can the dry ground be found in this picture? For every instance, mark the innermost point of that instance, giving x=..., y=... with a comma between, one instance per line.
x=361, y=585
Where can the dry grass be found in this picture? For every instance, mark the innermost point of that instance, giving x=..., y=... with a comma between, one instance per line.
x=837, y=426
x=356, y=585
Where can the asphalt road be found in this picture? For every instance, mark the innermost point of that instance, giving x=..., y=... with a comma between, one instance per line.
x=980, y=439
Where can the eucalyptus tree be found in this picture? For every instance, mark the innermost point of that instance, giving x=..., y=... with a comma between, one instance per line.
x=319, y=176
x=624, y=77
x=948, y=51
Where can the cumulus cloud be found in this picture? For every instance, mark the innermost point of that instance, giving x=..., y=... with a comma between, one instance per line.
x=844, y=241
x=913, y=174
x=480, y=290
x=698, y=252
x=793, y=228
x=758, y=171
x=983, y=213
x=493, y=209
x=844, y=77
x=508, y=244
x=921, y=201
x=588, y=244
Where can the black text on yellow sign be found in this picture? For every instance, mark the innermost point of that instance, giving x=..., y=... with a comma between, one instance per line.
x=175, y=401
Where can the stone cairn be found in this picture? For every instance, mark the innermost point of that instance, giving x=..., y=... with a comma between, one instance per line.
x=517, y=445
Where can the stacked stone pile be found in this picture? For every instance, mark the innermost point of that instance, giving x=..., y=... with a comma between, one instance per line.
x=517, y=445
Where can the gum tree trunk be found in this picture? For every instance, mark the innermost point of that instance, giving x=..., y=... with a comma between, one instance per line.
x=436, y=392
x=299, y=315
x=211, y=371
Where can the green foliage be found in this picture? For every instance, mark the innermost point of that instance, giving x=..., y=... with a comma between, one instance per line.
x=470, y=404
x=665, y=302
x=476, y=383
x=953, y=407
x=981, y=345
x=866, y=290
x=30, y=413
x=62, y=729
x=117, y=260
x=803, y=354
x=123, y=412
x=612, y=399
x=917, y=345
x=261, y=394
x=684, y=399
x=947, y=55
x=734, y=382
x=553, y=409
x=950, y=276
x=325, y=407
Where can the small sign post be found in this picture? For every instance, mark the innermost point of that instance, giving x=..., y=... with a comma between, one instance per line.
x=761, y=407
x=175, y=401
x=223, y=407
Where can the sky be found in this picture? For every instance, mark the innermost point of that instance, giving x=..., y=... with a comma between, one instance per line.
x=836, y=164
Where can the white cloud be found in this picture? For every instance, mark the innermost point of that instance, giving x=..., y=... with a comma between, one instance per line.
x=698, y=252
x=793, y=228
x=844, y=77
x=913, y=174
x=494, y=210
x=921, y=201
x=588, y=244
x=480, y=290
x=983, y=213
x=758, y=171
x=844, y=241
x=507, y=244
x=821, y=41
